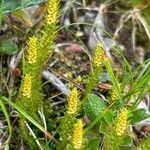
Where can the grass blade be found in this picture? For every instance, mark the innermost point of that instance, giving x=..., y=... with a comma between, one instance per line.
x=8, y=121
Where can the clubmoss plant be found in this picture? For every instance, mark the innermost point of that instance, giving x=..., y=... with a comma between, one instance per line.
x=32, y=50
x=145, y=144
x=122, y=122
x=98, y=56
x=38, y=52
x=26, y=98
x=48, y=34
x=73, y=102
x=52, y=12
x=96, y=68
x=77, y=136
x=115, y=135
x=26, y=86
x=69, y=118
x=114, y=95
x=112, y=142
x=39, y=49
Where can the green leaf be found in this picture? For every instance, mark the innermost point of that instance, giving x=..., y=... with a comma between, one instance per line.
x=138, y=115
x=127, y=141
x=9, y=124
x=108, y=116
x=93, y=144
x=103, y=127
x=8, y=48
x=93, y=106
x=12, y=5
x=105, y=121
x=113, y=78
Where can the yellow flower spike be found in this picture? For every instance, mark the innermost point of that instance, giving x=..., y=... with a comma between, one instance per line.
x=73, y=101
x=77, y=137
x=122, y=122
x=99, y=53
x=32, y=50
x=52, y=11
x=114, y=95
x=26, y=88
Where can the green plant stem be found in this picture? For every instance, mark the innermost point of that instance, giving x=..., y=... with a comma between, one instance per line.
x=92, y=124
x=114, y=80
